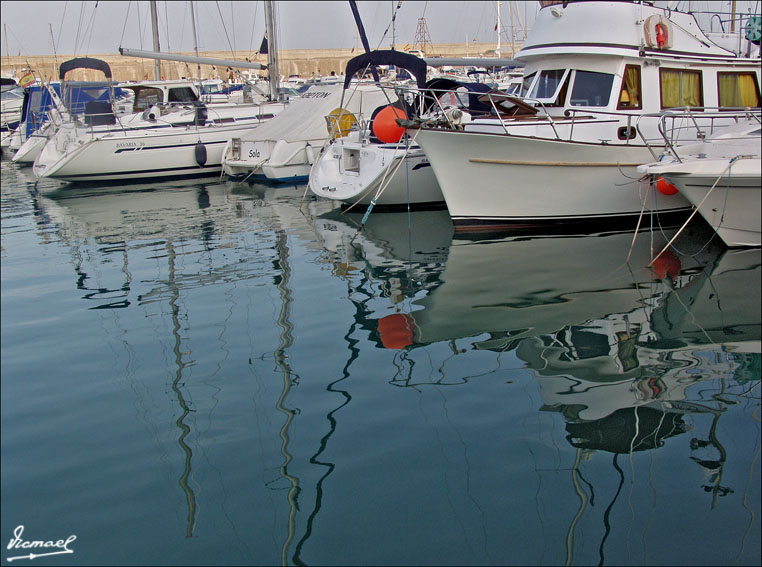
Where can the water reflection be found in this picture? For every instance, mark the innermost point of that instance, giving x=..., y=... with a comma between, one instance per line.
x=620, y=359
x=623, y=352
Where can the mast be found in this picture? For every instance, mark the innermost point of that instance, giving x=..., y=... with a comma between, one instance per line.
x=497, y=49
x=393, y=25
x=155, y=29
x=272, y=50
x=7, y=51
x=195, y=38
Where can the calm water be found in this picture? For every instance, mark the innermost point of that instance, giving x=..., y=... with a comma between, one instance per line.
x=199, y=374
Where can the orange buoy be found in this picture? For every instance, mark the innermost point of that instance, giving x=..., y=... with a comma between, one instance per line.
x=667, y=266
x=665, y=187
x=396, y=330
x=385, y=126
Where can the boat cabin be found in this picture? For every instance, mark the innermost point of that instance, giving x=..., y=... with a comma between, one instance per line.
x=150, y=93
x=634, y=86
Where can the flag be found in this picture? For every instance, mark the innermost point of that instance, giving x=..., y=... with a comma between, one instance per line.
x=263, y=47
x=26, y=79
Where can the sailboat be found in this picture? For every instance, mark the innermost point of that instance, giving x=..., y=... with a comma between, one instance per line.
x=184, y=138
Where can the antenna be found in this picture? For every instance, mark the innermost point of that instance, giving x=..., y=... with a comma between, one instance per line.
x=422, y=37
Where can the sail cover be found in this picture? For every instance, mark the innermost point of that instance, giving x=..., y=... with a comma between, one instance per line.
x=304, y=118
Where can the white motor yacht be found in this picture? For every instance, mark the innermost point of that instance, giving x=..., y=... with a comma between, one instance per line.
x=568, y=152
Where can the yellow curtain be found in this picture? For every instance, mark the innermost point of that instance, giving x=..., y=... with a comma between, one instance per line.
x=730, y=94
x=670, y=89
x=748, y=89
x=691, y=89
x=680, y=88
x=737, y=89
x=631, y=84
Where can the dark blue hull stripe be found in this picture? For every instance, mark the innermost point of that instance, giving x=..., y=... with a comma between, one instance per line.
x=144, y=148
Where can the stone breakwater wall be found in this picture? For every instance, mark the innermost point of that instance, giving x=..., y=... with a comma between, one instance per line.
x=302, y=62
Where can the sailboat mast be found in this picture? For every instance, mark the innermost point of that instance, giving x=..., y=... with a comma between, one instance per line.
x=155, y=29
x=195, y=38
x=497, y=50
x=272, y=50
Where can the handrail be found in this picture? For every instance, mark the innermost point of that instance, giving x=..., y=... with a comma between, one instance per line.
x=702, y=120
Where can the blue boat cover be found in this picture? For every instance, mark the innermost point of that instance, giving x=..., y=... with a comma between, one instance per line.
x=37, y=102
x=415, y=65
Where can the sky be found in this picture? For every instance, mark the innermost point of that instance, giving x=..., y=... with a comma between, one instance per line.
x=81, y=28
x=101, y=27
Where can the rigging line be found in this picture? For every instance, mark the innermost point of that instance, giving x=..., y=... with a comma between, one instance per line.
x=79, y=27
x=745, y=505
x=232, y=19
x=386, y=31
x=166, y=25
x=583, y=501
x=253, y=24
x=124, y=27
x=60, y=28
x=606, y=514
x=696, y=209
x=224, y=28
x=91, y=28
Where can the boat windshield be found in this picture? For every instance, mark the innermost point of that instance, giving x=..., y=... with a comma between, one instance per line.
x=591, y=88
x=548, y=83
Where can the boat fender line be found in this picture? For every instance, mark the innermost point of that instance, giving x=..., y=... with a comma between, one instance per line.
x=697, y=208
x=658, y=32
x=200, y=151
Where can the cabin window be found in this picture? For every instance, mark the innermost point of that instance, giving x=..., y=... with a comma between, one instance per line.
x=591, y=89
x=457, y=98
x=183, y=94
x=146, y=98
x=526, y=82
x=680, y=87
x=738, y=90
x=630, y=95
x=547, y=83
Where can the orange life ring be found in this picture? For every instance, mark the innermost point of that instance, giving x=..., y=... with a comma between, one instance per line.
x=658, y=32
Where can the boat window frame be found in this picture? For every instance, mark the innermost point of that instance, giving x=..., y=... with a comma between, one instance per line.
x=620, y=105
x=682, y=70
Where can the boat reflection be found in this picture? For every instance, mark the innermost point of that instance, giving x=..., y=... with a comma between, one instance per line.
x=629, y=356
x=600, y=334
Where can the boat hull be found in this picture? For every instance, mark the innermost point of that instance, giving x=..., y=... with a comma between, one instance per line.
x=125, y=155
x=731, y=206
x=386, y=175
x=493, y=180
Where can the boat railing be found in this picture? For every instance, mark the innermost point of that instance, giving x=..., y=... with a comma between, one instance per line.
x=689, y=124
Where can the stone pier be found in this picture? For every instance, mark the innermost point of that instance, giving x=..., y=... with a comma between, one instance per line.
x=302, y=62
